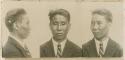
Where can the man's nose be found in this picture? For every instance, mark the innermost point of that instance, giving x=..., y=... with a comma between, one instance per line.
x=95, y=26
x=59, y=27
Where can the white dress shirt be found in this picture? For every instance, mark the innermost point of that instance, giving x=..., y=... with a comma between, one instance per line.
x=97, y=42
x=55, y=44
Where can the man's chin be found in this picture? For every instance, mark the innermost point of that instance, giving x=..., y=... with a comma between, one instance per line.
x=59, y=38
x=98, y=37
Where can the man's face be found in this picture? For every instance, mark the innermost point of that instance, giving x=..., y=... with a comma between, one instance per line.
x=59, y=26
x=99, y=26
x=23, y=28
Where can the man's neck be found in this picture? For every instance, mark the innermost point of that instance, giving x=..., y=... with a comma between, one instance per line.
x=20, y=41
x=102, y=39
x=17, y=37
x=59, y=40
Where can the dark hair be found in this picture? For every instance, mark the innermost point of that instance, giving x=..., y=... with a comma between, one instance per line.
x=63, y=12
x=104, y=12
x=12, y=17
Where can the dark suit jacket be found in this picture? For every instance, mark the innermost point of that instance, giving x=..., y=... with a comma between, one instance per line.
x=112, y=49
x=13, y=49
x=70, y=50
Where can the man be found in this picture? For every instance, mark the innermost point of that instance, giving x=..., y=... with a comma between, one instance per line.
x=59, y=45
x=101, y=45
x=17, y=23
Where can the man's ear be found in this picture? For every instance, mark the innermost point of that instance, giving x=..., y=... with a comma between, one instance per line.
x=69, y=26
x=110, y=24
x=15, y=26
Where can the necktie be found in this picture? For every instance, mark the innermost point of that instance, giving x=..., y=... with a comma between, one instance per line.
x=101, y=52
x=27, y=51
x=59, y=52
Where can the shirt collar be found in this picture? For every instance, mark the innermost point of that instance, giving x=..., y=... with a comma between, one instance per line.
x=62, y=43
x=55, y=44
x=22, y=43
x=105, y=41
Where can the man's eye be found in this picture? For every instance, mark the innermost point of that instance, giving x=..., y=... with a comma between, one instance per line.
x=55, y=23
x=63, y=23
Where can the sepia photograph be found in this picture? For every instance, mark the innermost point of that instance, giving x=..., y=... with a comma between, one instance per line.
x=62, y=30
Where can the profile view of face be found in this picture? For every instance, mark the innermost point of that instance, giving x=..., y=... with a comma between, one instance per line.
x=59, y=26
x=23, y=28
x=99, y=26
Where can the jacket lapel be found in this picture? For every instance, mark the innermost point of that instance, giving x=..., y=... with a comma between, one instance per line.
x=67, y=49
x=109, y=49
x=50, y=49
x=92, y=49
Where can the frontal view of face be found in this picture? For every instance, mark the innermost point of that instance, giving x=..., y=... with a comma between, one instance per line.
x=59, y=26
x=99, y=26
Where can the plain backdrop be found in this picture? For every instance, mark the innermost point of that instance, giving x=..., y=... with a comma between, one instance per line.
x=80, y=13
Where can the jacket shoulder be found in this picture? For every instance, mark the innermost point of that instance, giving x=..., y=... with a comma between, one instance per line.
x=117, y=50
x=87, y=44
x=115, y=45
x=9, y=50
x=73, y=49
x=73, y=45
x=45, y=45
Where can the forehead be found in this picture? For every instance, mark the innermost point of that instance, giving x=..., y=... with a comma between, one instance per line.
x=59, y=17
x=97, y=17
x=23, y=18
